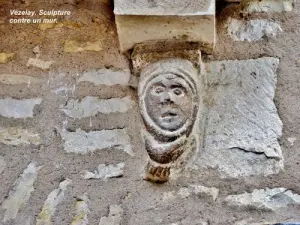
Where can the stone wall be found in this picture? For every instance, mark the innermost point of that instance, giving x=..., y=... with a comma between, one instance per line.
x=70, y=144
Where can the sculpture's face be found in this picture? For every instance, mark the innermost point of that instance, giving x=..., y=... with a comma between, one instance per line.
x=169, y=101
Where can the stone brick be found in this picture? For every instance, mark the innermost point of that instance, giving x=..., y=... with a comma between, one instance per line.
x=114, y=217
x=36, y=62
x=105, y=171
x=13, y=108
x=167, y=7
x=82, y=142
x=90, y=106
x=13, y=79
x=21, y=193
x=265, y=199
x=242, y=125
x=53, y=199
x=193, y=189
x=252, y=30
x=106, y=77
x=139, y=21
x=76, y=46
x=138, y=29
x=82, y=211
x=6, y=57
x=18, y=136
x=268, y=6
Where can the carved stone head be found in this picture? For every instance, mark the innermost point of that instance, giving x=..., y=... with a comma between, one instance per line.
x=168, y=99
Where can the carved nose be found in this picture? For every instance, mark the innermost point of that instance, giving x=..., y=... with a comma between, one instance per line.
x=166, y=98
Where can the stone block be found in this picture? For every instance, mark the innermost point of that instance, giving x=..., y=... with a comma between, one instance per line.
x=35, y=62
x=90, y=106
x=14, y=108
x=143, y=21
x=54, y=198
x=14, y=79
x=114, y=217
x=243, y=126
x=21, y=192
x=265, y=199
x=104, y=172
x=105, y=76
x=18, y=136
x=82, y=142
x=252, y=30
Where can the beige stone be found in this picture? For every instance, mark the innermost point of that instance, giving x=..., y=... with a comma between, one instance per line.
x=18, y=136
x=5, y=57
x=54, y=198
x=133, y=29
x=76, y=46
x=36, y=62
x=21, y=192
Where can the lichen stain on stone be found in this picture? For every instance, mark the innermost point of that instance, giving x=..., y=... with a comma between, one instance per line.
x=6, y=57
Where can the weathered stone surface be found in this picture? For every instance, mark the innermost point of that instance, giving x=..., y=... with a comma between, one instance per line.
x=82, y=142
x=53, y=199
x=75, y=46
x=192, y=221
x=252, y=30
x=21, y=193
x=18, y=136
x=114, y=217
x=107, y=77
x=13, y=108
x=19, y=79
x=105, y=171
x=147, y=53
x=265, y=199
x=167, y=7
x=64, y=24
x=251, y=221
x=267, y=6
x=193, y=190
x=90, y=106
x=6, y=57
x=2, y=164
x=82, y=211
x=36, y=62
x=134, y=29
x=242, y=125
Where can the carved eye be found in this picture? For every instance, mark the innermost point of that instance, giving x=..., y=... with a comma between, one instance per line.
x=159, y=90
x=177, y=91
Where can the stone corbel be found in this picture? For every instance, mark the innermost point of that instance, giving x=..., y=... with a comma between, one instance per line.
x=166, y=39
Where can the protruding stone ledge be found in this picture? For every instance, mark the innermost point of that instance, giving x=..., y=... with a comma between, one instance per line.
x=149, y=52
x=141, y=21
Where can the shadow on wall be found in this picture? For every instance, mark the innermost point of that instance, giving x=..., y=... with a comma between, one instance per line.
x=287, y=224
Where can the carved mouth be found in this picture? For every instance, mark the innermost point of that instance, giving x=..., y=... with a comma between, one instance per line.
x=169, y=114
